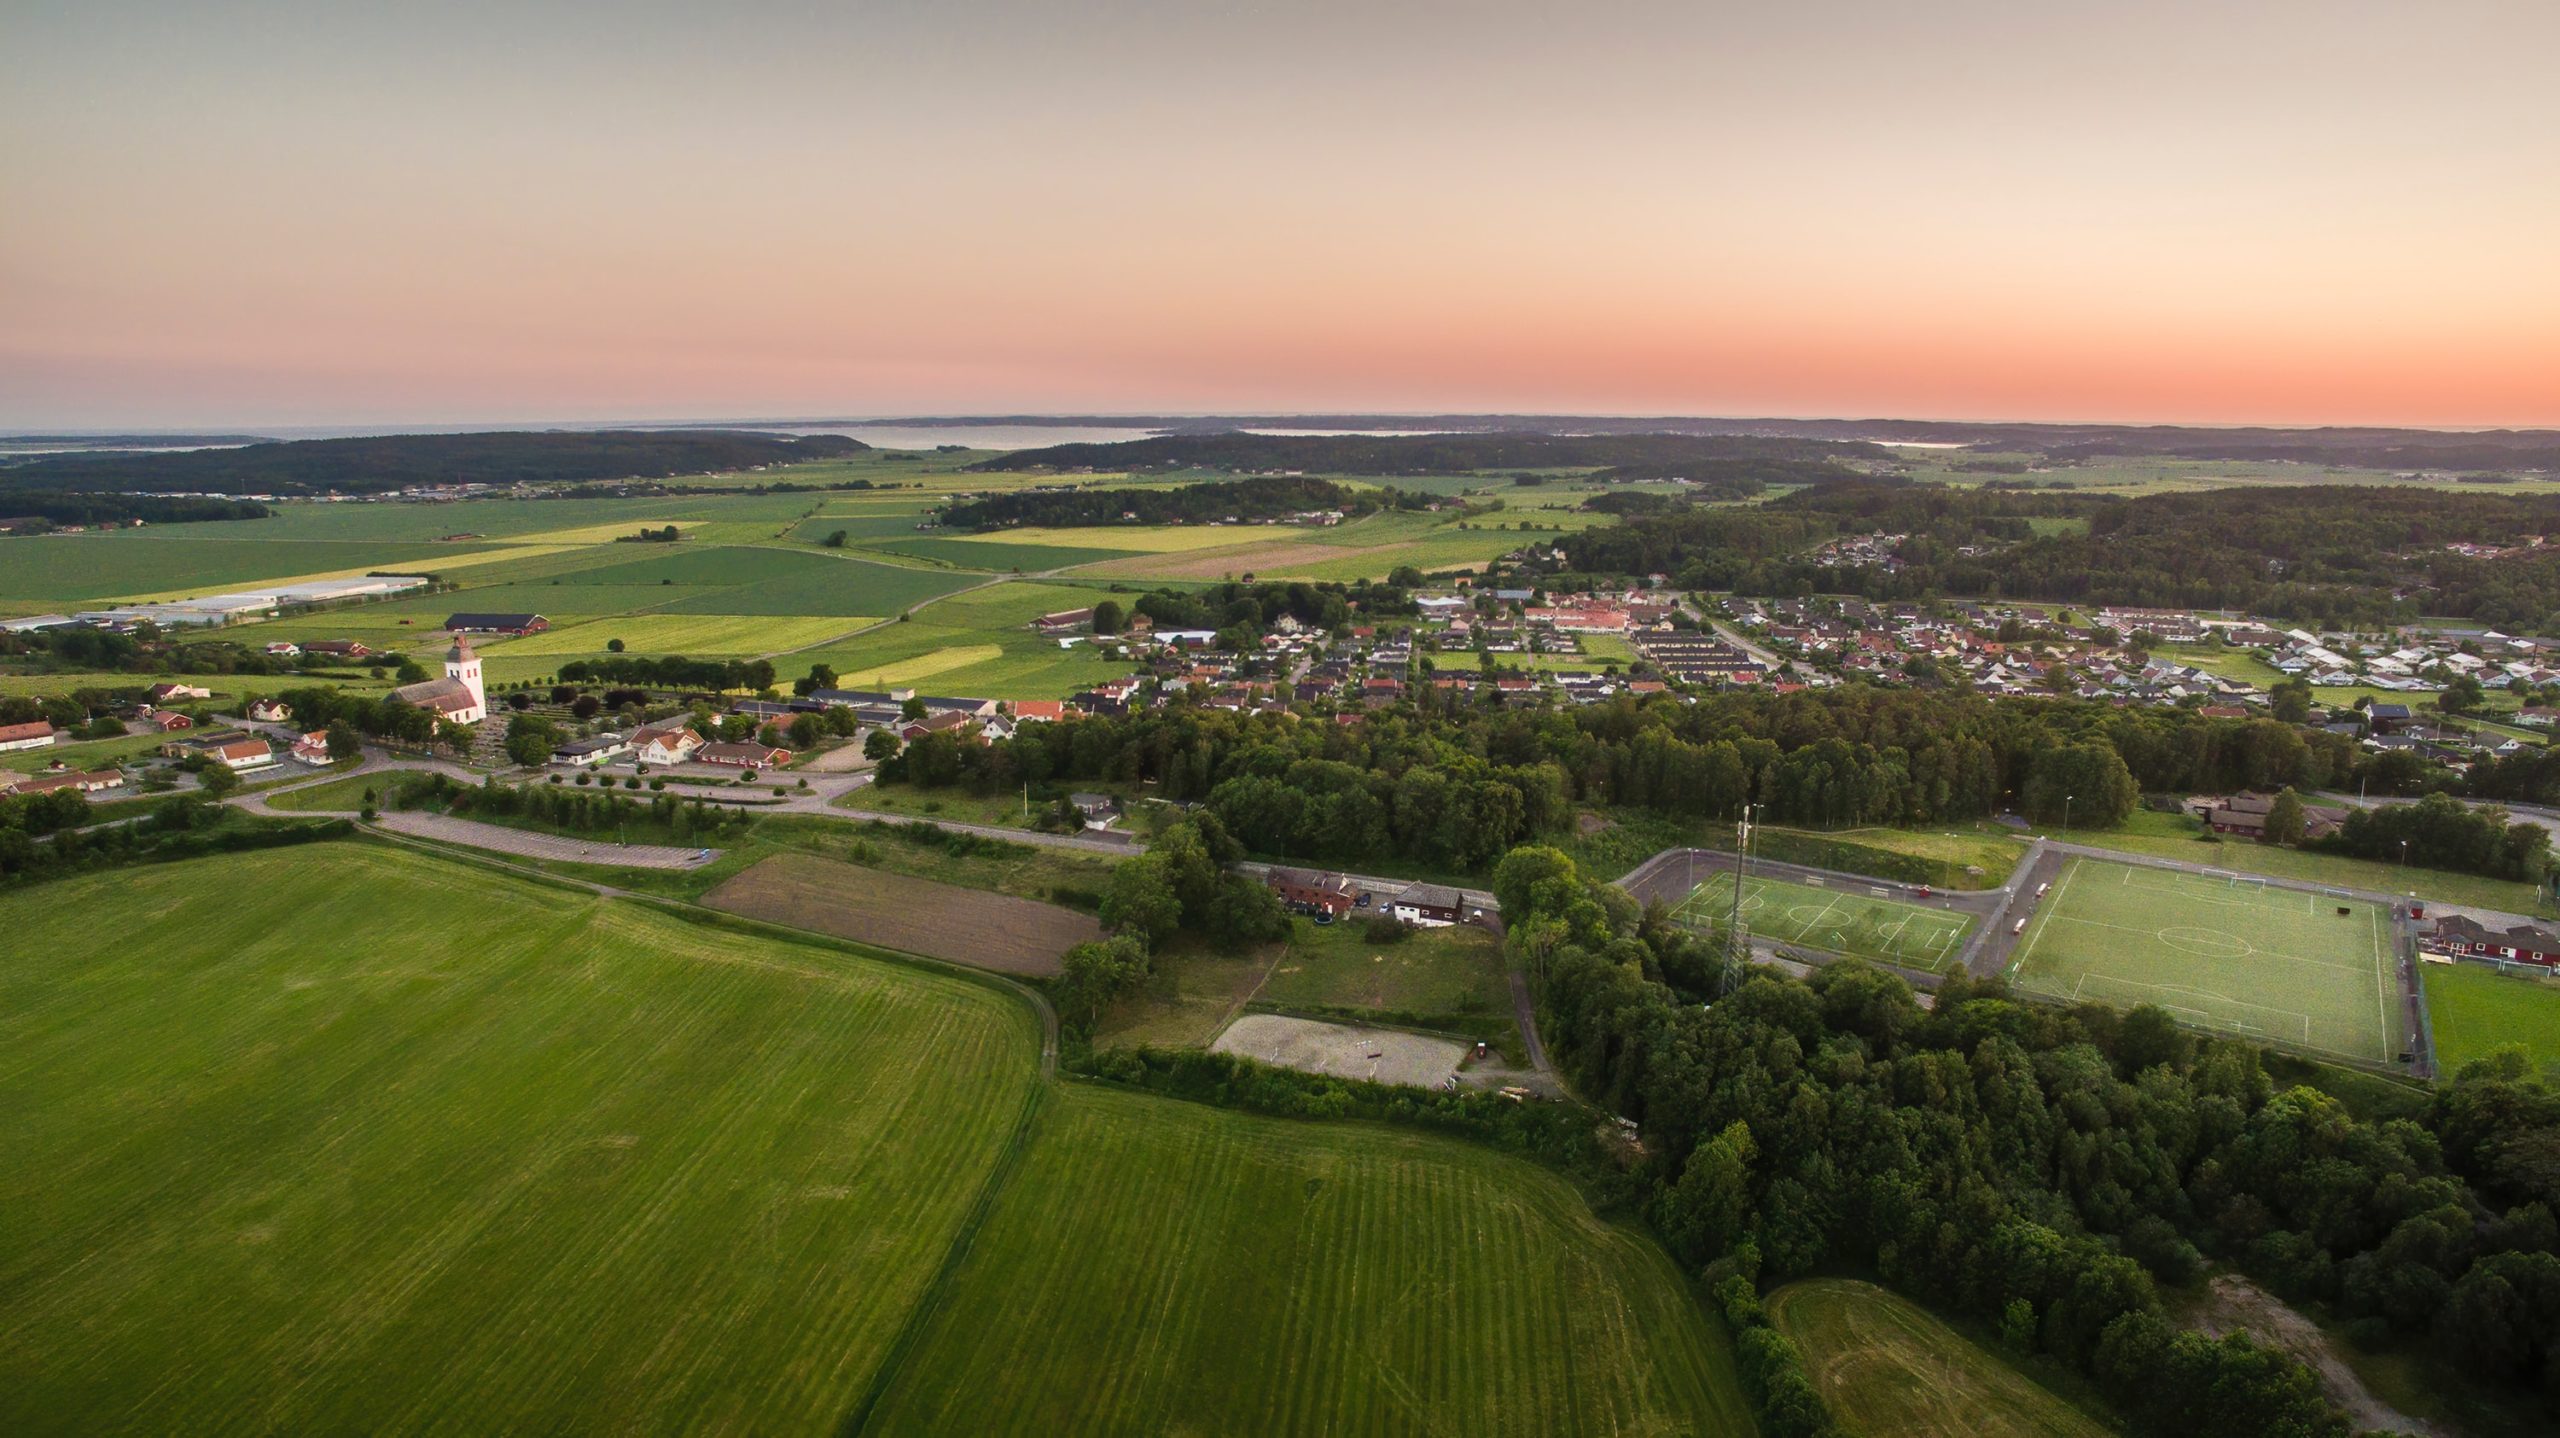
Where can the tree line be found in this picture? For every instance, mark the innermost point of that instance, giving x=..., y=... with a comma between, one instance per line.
x=374, y=463
x=1256, y=498
x=59, y=508
x=1773, y=460
x=1453, y=784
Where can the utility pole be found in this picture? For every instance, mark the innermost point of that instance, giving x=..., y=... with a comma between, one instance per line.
x=1737, y=961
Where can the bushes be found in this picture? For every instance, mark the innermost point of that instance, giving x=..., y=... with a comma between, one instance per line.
x=1385, y=929
x=1782, y=1396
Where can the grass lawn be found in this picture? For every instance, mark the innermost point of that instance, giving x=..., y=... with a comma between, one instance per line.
x=341, y=1138
x=1160, y=1267
x=83, y=753
x=1846, y=918
x=1887, y=1366
x=2274, y=965
x=2174, y=836
x=331, y=796
x=2475, y=1010
x=1448, y=978
x=690, y=634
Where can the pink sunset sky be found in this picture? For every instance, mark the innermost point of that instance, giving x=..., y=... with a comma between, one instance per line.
x=2329, y=211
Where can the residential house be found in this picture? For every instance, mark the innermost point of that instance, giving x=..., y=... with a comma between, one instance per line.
x=270, y=711
x=247, y=752
x=312, y=748
x=2245, y=815
x=665, y=744
x=1428, y=906
x=1099, y=810
x=1309, y=892
x=172, y=693
x=338, y=649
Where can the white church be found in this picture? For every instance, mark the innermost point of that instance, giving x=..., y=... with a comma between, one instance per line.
x=458, y=697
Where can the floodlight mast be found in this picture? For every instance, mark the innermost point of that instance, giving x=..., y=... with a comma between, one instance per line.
x=1737, y=958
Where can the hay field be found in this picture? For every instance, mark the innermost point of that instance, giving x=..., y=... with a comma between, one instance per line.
x=344, y=1139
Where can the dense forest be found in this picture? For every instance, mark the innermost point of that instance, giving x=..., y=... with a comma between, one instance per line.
x=1662, y=455
x=2294, y=553
x=59, y=509
x=1261, y=497
x=2044, y=1169
x=385, y=462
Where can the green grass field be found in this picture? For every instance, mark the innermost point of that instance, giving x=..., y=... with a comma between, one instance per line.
x=1163, y=1268
x=1887, y=1366
x=2224, y=954
x=2475, y=1011
x=346, y=1138
x=1451, y=977
x=341, y=1139
x=1848, y=917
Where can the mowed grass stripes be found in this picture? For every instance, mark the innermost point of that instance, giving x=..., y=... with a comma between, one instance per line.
x=1158, y=1267
x=344, y=1140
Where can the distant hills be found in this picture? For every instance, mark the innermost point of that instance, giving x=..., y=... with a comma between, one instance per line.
x=1655, y=455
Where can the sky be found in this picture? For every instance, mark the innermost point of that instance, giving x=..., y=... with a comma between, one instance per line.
x=2294, y=211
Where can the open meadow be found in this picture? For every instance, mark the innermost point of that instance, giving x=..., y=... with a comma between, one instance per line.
x=2474, y=1011
x=1887, y=1366
x=1158, y=1267
x=2227, y=953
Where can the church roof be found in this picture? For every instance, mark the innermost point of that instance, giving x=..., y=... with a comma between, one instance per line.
x=446, y=696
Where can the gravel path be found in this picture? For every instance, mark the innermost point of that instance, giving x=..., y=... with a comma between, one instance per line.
x=597, y=850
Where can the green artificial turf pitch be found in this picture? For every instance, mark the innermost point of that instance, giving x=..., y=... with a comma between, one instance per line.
x=1846, y=917
x=2233, y=955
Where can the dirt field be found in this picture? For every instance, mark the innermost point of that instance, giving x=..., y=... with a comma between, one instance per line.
x=1378, y=1055
x=2237, y=1305
x=968, y=926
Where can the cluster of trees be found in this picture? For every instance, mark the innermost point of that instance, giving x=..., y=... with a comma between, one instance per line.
x=1251, y=609
x=1685, y=455
x=2043, y=1168
x=376, y=463
x=334, y=708
x=144, y=651
x=41, y=835
x=672, y=671
x=566, y=808
x=2441, y=832
x=58, y=509
x=1181, y=883
x=1261, y=497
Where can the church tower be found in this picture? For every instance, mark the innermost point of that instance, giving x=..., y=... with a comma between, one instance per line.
x=461, y=664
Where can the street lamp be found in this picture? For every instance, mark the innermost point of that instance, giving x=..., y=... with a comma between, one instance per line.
x=2066, y=812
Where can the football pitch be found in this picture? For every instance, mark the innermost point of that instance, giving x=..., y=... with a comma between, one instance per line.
x=2224, y=953
x=1849, y=916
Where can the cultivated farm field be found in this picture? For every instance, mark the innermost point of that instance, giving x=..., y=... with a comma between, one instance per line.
x=1158, y=1267
x=344, y=1139
x=1888, y=1367
x=969, y=926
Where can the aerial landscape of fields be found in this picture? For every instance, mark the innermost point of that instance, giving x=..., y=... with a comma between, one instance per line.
x=1776, y=722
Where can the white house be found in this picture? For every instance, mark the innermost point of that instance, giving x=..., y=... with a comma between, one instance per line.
x=670, y=745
